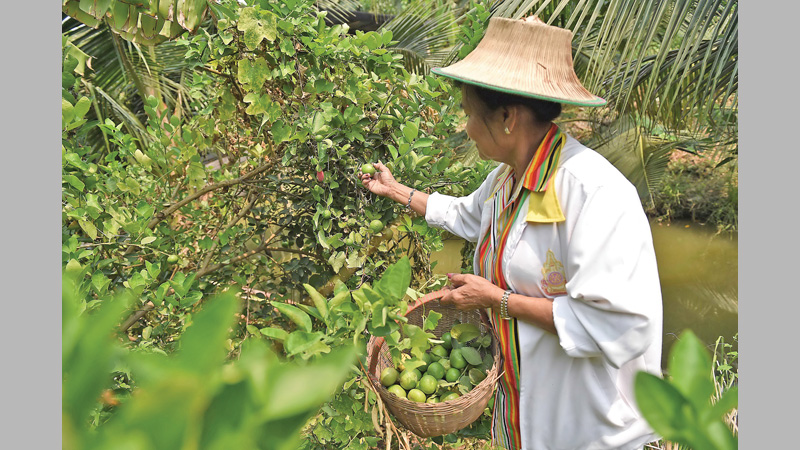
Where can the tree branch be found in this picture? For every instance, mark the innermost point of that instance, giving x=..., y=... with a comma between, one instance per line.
x=245, y=209
x=208, y=188
x=137, y=315
x=261, y=248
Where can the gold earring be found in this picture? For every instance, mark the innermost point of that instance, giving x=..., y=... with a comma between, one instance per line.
x=506, y=131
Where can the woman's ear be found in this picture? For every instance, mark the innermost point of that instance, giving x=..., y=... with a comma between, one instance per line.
x=509, y=117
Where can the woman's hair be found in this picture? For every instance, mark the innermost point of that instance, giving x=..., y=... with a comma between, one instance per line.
x=543, y=110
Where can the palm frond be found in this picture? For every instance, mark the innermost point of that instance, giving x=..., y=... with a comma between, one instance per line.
x=123, y=73
x=425, y=33
x=339, y=10
x=669, y=60
x=640, y=156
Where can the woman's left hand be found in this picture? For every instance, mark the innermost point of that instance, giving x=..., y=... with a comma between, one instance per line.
x=469, y=291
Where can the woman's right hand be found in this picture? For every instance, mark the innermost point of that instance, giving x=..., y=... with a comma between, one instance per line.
x=381, y=182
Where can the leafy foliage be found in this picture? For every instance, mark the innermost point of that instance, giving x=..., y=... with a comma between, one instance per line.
x=232, y=197
x=192, y=398
x=680, y=408
x=144, y=22
x=226, y=160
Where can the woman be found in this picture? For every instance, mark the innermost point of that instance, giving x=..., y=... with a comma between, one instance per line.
x=564, y=263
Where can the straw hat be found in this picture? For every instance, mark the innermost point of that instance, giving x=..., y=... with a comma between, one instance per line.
x=524, y=57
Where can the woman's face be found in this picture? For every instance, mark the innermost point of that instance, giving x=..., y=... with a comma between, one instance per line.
x=480, y=126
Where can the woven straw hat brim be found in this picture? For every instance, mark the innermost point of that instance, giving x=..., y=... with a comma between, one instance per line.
x=524, y=58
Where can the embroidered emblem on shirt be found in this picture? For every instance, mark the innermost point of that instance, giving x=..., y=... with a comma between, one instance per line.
x=553, y=279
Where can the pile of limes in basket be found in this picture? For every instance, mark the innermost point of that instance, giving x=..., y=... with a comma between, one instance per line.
x=444, y=375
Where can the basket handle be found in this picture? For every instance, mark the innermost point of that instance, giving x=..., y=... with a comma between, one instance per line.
x=435, y=295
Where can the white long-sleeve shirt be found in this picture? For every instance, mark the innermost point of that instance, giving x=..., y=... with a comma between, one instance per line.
x=599, y=268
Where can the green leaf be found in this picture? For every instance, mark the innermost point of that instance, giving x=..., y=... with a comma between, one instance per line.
x=202, y=345
x=410, y=131
x=431, y=320
x=274, y=333
x=661, y=404
x=257, y=26
x=148, y=240
x=254, y=73
x=380, y=313
x=464, y=332
x=476, y=376
x=487, y=362
x=281, y=132
x=317, y=122
x=319, y=301
x=88, y=350
x=337, y=260
x=153, y=268
x=690, y=370
x=471, y=356
x=89, y=228
x=259, y=104
x=74, y=182
x=100, y=282
x=181, y=283
x=301, y=341
x=412, y=364
x=317, y=380
x=294, y=314
x=418, y=339
x=727, y=401
x=81, y=107
x=717, y=435
x=67, y=112
x=191, y=12
x=395, y=281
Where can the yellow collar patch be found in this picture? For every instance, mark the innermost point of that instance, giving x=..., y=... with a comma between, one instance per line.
x=543, y=207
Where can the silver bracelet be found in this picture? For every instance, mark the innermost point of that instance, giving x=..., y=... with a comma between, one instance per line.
x=408, y=205
x=504, y=306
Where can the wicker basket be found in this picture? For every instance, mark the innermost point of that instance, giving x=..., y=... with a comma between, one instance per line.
x=436, y=419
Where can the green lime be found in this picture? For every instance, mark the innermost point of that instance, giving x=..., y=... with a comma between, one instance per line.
x=326, y=214
x=172, y=259
x=452, y=374
x=450, y=396
x=415, y=395
x=447, y=338
x=408, y=379
x=389, y=376
x=428, y=360
x=428, y=384
x=432, y=399
x=368, y=168
x=397, y=390
x=457, y=360
x=376, y=226
x=436, y=370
